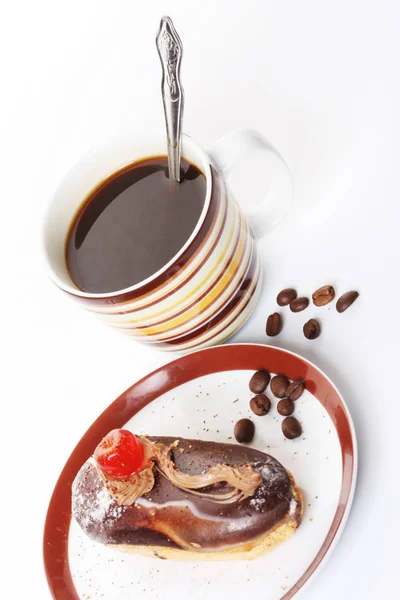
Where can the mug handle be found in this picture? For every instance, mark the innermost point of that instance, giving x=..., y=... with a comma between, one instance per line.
x=235, y=147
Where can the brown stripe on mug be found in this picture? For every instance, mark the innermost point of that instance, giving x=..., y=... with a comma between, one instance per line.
x=214, y=283
x=212, y=321
x=210, y=324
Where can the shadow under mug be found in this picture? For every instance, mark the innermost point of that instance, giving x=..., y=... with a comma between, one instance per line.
x=210, y=287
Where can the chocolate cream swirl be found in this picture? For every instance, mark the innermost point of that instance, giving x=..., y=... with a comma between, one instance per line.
x=242, y=480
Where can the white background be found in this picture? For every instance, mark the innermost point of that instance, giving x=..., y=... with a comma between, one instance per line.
x=320, y=80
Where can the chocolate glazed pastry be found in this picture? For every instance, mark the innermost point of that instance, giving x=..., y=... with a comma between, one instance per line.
x=192, y=500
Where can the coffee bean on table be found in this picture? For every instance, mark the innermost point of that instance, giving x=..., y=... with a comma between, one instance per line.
x=295, y=390
x=291, y=428
x=299, y=304
x=285, y=407
x=323, y=295
x=244, y=431
x=346, y=300
x=279, y=385
x=274, y=324
x=260, y=405
x=311, y=329
x=259, y=381
x=286, y=296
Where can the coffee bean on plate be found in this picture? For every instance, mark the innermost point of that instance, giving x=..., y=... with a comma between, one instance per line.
x=291, y=428
x=286, y=296
x=285, y=407
x=279, y=385
x=274, y=324
x=295, y=390
x=311, y=329
x=259, y=381
x=323, y=295
x=260, y=405
x=244, y=431
x=346, y=300
x=299, y=304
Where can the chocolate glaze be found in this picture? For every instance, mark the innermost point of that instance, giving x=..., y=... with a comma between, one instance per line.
x=168, y=516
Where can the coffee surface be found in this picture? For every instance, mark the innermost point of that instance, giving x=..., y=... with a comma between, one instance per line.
x=132, y=224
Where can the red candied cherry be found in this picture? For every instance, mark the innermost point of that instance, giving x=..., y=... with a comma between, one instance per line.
x=119, y=454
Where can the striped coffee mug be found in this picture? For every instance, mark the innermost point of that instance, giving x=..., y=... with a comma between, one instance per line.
x=210, y=287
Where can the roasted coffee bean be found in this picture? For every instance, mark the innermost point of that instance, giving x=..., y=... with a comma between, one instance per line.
x=323, y=295
x=286, y=296
x=285, y=407
x=291, y=428
x=244, y=431
x=299, y=304
x=259, y=381
x=295, y=390
x=346, y=300
x=274, y=324
x=279, y=385
x=260, y=405
x=311, y=329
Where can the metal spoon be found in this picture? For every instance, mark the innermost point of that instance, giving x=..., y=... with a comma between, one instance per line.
x=169, y=48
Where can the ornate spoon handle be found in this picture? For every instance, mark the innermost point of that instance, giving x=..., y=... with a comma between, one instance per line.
x=169, y=48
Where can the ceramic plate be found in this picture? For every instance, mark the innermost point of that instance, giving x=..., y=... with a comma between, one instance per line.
x=202, y=395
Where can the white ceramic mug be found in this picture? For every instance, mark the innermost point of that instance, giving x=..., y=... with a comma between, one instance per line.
x=210, y=287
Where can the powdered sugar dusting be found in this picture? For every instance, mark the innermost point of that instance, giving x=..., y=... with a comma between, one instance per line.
x=275, y=483
x=273, y=474
x=96, y=508
x=257, y=503
x=101, y=505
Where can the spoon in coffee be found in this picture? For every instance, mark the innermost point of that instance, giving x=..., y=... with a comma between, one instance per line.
x=169, y=48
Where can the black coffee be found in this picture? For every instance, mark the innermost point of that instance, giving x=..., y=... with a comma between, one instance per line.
x=132, y=224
